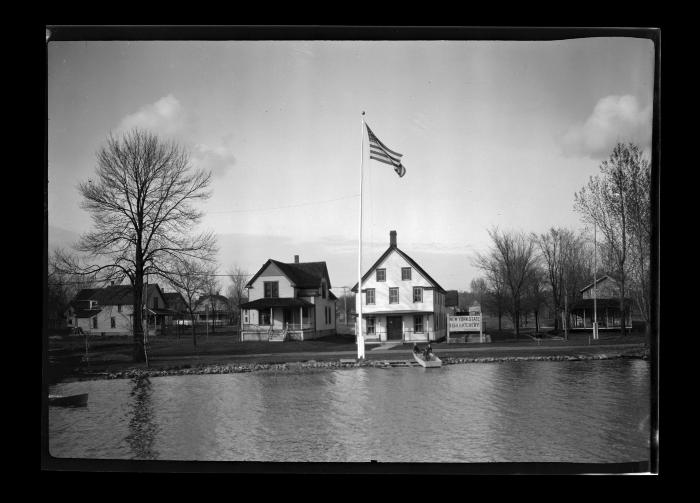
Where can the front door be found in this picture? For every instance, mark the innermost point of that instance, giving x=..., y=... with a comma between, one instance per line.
x=287, y=315
x=394, y=328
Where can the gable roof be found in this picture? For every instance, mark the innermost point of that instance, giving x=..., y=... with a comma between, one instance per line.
x=408, y=259
x=597, y=281
x=111, y=295
x=173, y=298
x=302, y=274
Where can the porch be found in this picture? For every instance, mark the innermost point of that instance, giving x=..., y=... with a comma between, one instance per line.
x=277, y=320
x=414, y=326
x=608, y=314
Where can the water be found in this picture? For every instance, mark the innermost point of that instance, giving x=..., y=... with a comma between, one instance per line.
x=587, y=412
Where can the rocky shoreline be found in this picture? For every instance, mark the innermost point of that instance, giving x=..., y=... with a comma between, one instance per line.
x=337, y=364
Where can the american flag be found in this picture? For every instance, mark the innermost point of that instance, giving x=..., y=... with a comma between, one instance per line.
x=379, y=152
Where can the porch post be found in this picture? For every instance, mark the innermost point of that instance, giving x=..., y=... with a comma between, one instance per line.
x=301, y=321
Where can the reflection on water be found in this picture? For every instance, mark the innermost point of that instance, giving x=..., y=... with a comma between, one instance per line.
x=142, y=428
x=595, y=411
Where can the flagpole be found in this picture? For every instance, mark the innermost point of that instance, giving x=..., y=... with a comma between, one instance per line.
x=360, y=337
x=595, y=286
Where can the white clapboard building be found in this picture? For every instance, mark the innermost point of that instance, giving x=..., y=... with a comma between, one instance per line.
x=400, y=300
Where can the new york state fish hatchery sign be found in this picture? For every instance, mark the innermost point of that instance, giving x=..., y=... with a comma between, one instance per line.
x=464, y=323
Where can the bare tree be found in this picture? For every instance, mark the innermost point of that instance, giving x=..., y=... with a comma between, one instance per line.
x=191, y=279
x=616, y=201
x=554, y=249
x=63, y=287
x=479, y=288
x=510, y=262
x=236, y=292
x=141, y=206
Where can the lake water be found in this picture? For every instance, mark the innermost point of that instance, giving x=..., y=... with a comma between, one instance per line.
x=537, y=411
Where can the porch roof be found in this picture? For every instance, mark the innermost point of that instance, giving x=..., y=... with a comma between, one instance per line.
x=600, y=303
x=268, y=302
x=164, y=312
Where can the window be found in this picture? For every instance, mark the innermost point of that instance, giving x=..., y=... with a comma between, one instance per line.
x=371, y=325
x=245, y=316
x=264, y=318
x=155, y=302
x=94, y=322
x=417, y=294
x=405, y=273
x=323, y=290
x=113, y=322
x=119, y=308
x=304, y=312
x=418, y=323
x=393, y=295
x=272, y=289
x=381, y=274
x=369, y=296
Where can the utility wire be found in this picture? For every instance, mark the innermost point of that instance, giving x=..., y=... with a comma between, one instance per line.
x=285, y=207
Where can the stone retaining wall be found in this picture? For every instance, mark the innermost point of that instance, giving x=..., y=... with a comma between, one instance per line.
x=313, y=364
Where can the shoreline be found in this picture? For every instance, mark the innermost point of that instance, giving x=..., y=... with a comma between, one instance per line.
x=238, y=367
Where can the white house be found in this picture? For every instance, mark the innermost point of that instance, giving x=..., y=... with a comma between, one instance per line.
x=288, y=301
x=109, y=311
x=400, y=301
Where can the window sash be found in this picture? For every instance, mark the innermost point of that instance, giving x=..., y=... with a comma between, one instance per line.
x=405, y=273
x=371, y=325
x=394, y=295
x=418, y=323
x=271, y=289
x=381, y=274
x=369, y=296
x=417, y=294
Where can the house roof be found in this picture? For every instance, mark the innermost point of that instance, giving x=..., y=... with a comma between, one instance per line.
x=597, y=281
x=268, y=302
x=87, y=313
x=111, y=295
x=172, y=298
x=600, y=304
x=408, y=259
x=301, y=274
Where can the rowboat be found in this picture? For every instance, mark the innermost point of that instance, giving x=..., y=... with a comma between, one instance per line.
x=430, y=362
x=69, y=400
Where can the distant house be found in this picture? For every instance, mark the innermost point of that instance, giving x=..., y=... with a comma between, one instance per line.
x=400, y=300
x=109, y=311
x=288, y=301
x=607, y=306
x=178, y=305
x=475, y=308
x=214, y=309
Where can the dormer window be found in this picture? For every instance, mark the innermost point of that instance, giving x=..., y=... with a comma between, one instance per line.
x=381, y=274
x=405, y=273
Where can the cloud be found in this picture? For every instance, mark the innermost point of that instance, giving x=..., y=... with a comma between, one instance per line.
x=216, y=158
x=169, y=119
x=614, y=119
x=165, y=117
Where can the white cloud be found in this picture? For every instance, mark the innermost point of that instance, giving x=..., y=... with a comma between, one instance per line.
x=614, y=119
x=165, y=117
x=170, y=120
x=216, y=158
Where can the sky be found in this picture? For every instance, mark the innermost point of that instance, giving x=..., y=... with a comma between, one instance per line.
x=493, y=134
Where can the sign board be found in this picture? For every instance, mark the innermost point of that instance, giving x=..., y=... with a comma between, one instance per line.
x=457, y=324
x=464, y=323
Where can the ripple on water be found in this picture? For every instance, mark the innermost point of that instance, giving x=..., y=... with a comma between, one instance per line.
x=588, y=411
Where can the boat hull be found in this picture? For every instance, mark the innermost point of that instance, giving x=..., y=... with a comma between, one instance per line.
x=68, y=401
x=434, y=361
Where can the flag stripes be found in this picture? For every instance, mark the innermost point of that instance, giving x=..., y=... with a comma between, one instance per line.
x=380, y=152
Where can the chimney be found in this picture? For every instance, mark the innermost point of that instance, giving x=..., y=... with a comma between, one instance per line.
x=392, y=239
x=296, y=259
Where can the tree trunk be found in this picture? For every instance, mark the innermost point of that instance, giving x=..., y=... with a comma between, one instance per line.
x=194, y=334
x=137, y=328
